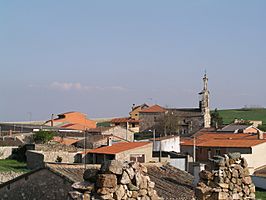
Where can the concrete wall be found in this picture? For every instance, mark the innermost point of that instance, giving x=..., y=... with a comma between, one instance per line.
x=40, y=185
x=6, y=152
x=146, y=150
x=120, y=132
x=257, y=158
x=36, y=159
x=171, y=144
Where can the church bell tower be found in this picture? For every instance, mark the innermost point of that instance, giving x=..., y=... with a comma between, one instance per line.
x=204, y=103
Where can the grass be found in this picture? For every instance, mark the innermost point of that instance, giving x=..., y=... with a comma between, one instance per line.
x=12, y=165
x=246, y=114
x=260, y=194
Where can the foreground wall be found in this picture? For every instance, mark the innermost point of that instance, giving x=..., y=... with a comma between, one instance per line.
x=39, y=185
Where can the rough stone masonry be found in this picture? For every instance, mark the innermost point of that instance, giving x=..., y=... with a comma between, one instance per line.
x=115, y=180
x=227, y=179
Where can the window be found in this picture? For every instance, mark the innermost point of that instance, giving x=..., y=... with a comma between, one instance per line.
x=137, y=158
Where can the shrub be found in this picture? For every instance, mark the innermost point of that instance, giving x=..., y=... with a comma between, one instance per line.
x=43, y=137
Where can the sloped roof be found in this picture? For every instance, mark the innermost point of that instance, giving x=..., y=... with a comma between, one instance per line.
x=234, y=127
x=66, y=141
x=153, y=109
x=124, y=120
x=10, y=141
x=211, y=139
x=118, y=148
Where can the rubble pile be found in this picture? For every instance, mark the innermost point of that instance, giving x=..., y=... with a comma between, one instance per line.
x=228, y=178
x=115, y=180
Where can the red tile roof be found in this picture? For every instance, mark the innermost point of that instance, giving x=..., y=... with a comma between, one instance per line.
x=118, y=147
x=153, y=109
x=224, y=140
x=124, y=120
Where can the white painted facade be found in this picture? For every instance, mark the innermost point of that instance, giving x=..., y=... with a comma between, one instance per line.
x=257, y=157
x=169, y=144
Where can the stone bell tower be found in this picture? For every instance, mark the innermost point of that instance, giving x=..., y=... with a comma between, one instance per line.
x=204, y=103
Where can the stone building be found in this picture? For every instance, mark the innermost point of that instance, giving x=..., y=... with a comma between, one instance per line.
x=205, y=145
x=189, y=120
x=123, y=151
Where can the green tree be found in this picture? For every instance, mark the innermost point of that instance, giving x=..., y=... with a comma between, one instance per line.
x=216, y=119
x=42, y=137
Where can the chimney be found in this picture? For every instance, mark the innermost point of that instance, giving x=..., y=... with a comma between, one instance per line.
x=260, y=135
x=109, y=141
x=52, y=120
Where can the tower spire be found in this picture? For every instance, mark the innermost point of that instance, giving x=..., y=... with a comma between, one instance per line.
x=204, y=103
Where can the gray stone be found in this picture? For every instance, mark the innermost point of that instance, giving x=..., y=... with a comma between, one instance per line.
x=130, y=172
x=119, y=193
x=90, y=175
x=235, y=155
x=112, y=166
x=75, y=195
x=106, y=180
x=132, y=187
x=83, y=186
x=125, y=178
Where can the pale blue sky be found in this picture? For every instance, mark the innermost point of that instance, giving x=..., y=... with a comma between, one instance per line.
x=100, y=57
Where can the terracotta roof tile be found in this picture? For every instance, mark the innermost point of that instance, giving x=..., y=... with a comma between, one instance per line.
x=124, y=120
x=118, y=147
x=224, y=140
x=153, y=109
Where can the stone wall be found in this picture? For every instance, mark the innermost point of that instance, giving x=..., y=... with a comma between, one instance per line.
x=27, y=187
x=115, y=180
x=227, y=178
x=36, y=159
x=7, y=176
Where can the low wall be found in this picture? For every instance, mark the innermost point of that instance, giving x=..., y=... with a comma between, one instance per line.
x=6, y=152
x=36, y=159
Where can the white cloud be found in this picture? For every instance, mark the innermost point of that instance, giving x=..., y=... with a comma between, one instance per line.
x=67, y=86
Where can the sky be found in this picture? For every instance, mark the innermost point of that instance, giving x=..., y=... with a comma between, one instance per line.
x=100, y=57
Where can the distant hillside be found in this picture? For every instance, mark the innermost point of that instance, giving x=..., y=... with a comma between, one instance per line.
x=243, y=113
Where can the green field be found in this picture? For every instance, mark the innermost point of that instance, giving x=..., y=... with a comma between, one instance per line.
x=12, y=165
x=260, y=194
x=244, y=113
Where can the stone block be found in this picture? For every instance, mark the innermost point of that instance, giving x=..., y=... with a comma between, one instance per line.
x=112, y=166
x=83, y=186
x=90, y=175
x=106, y=180
x=125, y=179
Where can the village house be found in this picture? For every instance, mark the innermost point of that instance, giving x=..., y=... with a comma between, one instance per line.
x=240, y=128
x=134, y=113
x=117, y=131
x=167, y=143
x=190, y=120
x=126, y=122
x=167, y=149
x=205, y=145
x=71, y=120
x=124, y=151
